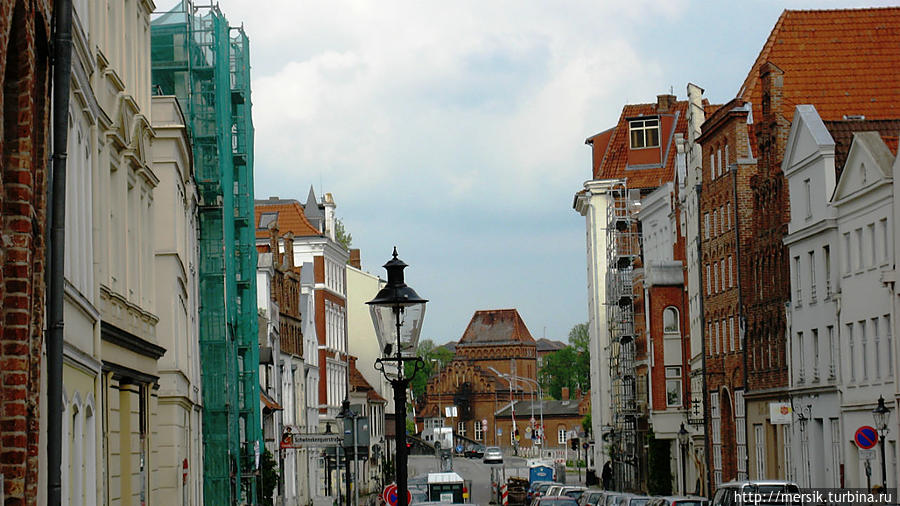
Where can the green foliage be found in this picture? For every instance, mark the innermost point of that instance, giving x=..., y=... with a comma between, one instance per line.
x=269, y=470
x=586, y=425
x=410, y=426
x=435, y=358
x=568, y=367
x=341, y=234
x=659, y=479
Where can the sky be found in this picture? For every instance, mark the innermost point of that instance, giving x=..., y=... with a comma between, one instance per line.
x=455, y=130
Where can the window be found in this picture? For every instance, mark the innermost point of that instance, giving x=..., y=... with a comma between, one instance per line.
x=807, y=195
x=719, y=165
x=883, y=232
x=715, y=223
x=760, y=449
x=889, y=345
x=788, y=458
x=670, y=320
x=712, y=166
x=812, y=276
x=836, y=460
x=730, y=273
x=673, y=386
x=706, y=225
x=852, y=357
x=826, y=252
x=865, y=349
x=815, y=344
x=461, y=428
x=715, y=277
x=723, y=274
x=726, y=156
x=479, y=431
x=731, y=331
x=728, y=216
x=797, y=286
x=708, y=283
x=833, y=353
x=870, y=232
x=860, y=257
x=847, y=262
x=644, y=133
x=561, y=435
x=801, y=373
x=876, y=341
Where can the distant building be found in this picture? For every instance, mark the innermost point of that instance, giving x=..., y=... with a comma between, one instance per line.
x=546, y=347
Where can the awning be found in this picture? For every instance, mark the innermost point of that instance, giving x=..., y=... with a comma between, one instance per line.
x=269, y=402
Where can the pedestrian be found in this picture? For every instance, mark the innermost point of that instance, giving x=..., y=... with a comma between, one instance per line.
x=606, y=476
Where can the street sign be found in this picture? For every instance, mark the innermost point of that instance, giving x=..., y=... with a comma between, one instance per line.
x=313, y=440
x=867, y=454
x=484, y=423
x=499, y=431
x=459, y=448
x=390, y=495
x=866, y=437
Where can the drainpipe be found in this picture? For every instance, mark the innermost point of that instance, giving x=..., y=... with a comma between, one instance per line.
x=62, y=73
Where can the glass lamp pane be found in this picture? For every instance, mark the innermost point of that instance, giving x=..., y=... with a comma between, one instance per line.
x=411, y=318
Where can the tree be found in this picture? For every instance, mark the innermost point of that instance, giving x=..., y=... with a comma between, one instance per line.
x=341, y=235
x=269, y=476
x=569, y=367
x=586, y=425
x=435, y=358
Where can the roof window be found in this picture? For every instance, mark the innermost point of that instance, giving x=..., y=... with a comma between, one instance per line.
x=644, y=133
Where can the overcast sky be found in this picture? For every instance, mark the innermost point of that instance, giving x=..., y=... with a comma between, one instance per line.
x=455, y=130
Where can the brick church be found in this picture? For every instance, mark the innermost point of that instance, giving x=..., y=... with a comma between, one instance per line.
x=491, y=382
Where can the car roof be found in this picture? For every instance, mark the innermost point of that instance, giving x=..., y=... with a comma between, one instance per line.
x=756, y=482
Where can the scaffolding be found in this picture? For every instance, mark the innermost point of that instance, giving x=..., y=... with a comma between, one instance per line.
x=200, y=59
x=623, y=248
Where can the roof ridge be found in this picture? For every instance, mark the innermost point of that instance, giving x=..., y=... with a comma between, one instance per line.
x=751, y=78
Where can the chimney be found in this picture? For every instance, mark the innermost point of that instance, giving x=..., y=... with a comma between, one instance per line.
x=329, y=205
x=773, y=128
x=565, y=393
x=273, y=243
x=354, y=258
x=289, y=249
x=664, y=103
x=578, y=394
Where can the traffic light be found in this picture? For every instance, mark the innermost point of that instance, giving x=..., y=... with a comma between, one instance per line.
x=574, y=443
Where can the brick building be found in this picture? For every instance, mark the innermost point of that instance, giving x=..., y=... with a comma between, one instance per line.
x=25, y=71
x=745, y=272
x=495, y=364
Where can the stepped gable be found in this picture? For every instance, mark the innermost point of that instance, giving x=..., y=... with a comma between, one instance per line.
x=286, y=214
x=843, y=61
x=496, y=326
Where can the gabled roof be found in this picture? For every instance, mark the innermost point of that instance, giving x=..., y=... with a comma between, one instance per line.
x=868, y=162
x=358, y=383
x=614, y=145
x=496, y=326
x=843, y=61
x=287, y=215
x=842, y=132
x=544, y=344
x=551, y=408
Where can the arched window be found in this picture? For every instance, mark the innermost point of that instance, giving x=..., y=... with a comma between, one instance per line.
x=670, y=320
x=90, y=452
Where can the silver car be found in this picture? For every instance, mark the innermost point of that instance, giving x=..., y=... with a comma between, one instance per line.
x=492, y=455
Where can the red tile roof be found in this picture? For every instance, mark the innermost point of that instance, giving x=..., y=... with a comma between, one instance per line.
x=614, y=162
x=842, y=133
x=290, y=218
x=496, y=326
x=845, y=62
x=358, y=383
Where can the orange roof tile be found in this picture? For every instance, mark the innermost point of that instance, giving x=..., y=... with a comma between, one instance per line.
x=843, y=61
x=290, y=218
x=614, y=162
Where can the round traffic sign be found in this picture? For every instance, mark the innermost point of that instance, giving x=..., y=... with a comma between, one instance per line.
x=484, y=422
x=390, y=495
x=866, y=437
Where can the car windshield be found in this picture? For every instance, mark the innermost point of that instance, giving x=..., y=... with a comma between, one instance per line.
x=772, y=494
x=642, y=501
x=593, y=498
x=575, y=494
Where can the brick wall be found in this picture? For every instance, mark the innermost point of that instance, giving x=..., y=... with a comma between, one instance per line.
x=24, y=146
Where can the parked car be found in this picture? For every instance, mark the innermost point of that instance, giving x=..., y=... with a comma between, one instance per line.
x=553, y=490
x=475, y=452
x=572, y=491
x=614, y=498
x=556, y=500
x=757, y=492
x=493, y=455
x=673, y=500
x=538, y=486
x=591, y=497
x=634, y=500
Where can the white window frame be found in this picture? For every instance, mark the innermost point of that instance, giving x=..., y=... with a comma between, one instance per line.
x=674, y=378
x=479, y=431
x=461, y=428
x=561, y=435
x=643, y=126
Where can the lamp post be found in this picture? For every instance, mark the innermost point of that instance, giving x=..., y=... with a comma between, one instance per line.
x=397, y=310
x=509, y=377
x=803, y=417
x=882, y=414
x=683, y=438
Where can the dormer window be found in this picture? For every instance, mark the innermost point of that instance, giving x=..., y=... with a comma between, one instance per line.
x=644, y=133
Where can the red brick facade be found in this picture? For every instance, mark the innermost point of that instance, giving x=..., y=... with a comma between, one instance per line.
x=726, y=228
x=24, y=46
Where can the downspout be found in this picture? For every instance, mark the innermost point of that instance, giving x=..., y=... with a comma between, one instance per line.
x=742, y=322
x=62, y=73
x=703, y=350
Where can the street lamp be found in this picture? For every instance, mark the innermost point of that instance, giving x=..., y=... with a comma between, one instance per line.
x=683, y=438
x=508, y=377
x=397, y=310
x=882, y=414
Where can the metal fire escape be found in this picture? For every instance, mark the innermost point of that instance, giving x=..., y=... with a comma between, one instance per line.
x=623, y=248
x=197, y=57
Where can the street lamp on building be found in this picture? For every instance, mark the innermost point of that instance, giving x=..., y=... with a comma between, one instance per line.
x=683, y=439
x=397, y=313
x=882, y=415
